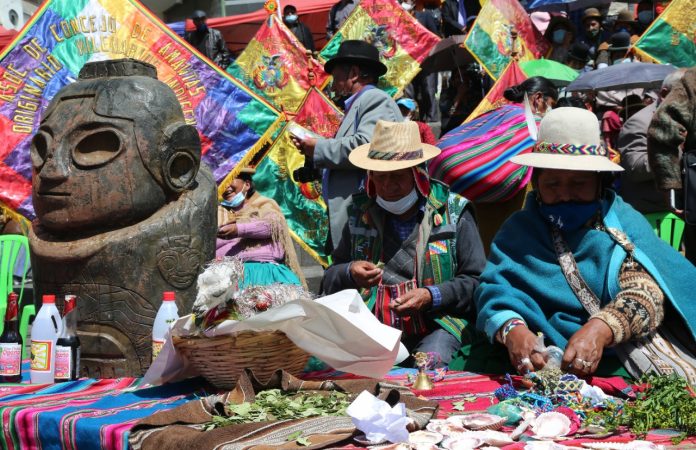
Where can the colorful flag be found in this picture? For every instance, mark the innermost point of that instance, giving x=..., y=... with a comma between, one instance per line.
x=511, y=76
x=671, y=39
x=403, y=43
x=275, y=65
x=63, y=35
x=502, y=32
x=301, y=203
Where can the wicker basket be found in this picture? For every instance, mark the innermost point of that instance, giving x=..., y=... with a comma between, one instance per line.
x=222, y=359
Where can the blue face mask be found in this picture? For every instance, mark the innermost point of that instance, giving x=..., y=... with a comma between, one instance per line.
x=558, y=36
x=291, y=18
x=237, y=200
x=569, y=216
x=201, y=27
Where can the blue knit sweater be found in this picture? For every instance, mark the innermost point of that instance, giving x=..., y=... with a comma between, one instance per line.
x=524, y=280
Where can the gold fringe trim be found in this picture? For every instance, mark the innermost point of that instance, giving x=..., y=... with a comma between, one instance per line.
x=9, y=213
x=324, y=263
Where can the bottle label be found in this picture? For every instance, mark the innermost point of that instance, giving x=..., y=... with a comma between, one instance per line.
x=63, y=362
x=41, y=355
x=156, y=347
x=10, y=359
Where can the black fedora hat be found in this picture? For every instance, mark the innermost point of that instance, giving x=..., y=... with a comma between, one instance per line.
x=579, y=52
x=357, y=52
x=620, y=41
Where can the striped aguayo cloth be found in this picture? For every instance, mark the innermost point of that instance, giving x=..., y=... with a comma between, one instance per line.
x=475, y=156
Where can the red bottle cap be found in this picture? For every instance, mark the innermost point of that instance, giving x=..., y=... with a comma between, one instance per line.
x=168, y=296
x=12, y=308
x=48, y=298
x=70, y=303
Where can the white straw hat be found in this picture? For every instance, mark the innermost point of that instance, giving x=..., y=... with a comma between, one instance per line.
x=394, y=146
x=569, y=139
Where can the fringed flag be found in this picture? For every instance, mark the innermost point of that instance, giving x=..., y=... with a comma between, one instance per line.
x=403, y=43
x=301, y=203
x=63, y=35
x=671, y=39
x=475, y=158
x=511, y=76
x=275, y=65
x=502, y=32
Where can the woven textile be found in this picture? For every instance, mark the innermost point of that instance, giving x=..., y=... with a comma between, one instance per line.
x=475, y=156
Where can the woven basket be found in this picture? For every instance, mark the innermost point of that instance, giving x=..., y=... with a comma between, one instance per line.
x=222, y=359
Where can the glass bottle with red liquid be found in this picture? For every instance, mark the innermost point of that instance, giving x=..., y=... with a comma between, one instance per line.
x=68, y=344
x=11, y=344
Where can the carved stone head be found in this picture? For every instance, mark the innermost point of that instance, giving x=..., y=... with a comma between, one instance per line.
x=111, y=149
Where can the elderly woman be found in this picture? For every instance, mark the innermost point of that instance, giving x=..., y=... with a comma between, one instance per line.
x=252, y=228
x=410, y=245
x=585, y=269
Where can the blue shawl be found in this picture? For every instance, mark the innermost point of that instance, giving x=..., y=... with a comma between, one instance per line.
x=523, y=279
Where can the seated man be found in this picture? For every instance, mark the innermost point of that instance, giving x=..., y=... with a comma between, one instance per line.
x=252, y=228
x=410, y=246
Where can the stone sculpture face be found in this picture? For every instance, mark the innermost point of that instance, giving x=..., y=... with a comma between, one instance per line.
x=125, y=210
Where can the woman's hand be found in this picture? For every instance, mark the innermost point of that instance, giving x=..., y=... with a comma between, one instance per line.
x=365, y=274
x=585, y=347
x=520, y=343
x=228, y=231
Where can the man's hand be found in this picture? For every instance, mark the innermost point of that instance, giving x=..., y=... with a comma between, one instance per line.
x=585, y=347
x=304, y=145
x=520, y=343
x=412, y=301
x=228, y=231
x=365, y=274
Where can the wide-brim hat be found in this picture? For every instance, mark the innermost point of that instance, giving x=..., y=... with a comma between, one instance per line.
x=625, y=16
x=357, y=52
x=620, y=41
x=591, y=13
x=579, y=52
x=394, y=146
x=568, y=139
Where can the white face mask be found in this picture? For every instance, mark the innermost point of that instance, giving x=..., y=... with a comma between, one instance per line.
x=406, y=6
x=400, y=206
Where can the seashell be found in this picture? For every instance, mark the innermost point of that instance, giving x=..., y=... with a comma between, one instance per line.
x=479, y=421
x=545, y=445
x=490, y=437
x=633, y=445
x=391, y=447
x=445, y=428
x=424, y=437
x=461, y=443
x=551, y=425
x=362, y=440
x=424, y=447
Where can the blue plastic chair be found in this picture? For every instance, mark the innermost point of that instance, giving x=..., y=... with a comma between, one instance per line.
x=668, y=226
x=14, y=247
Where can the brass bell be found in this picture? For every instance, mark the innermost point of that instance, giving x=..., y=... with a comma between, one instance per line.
x=423, y=382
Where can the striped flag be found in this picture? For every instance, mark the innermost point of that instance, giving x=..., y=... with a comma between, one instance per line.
x=511, y=76
x=301, y=203
x=403, y=43
x=502, y=32
x=274, y=65
x=63, y=35
x=671, y=39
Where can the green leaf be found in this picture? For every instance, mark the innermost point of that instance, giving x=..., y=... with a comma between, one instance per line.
x=304, y=441
x=458, y=406
x=294, y=436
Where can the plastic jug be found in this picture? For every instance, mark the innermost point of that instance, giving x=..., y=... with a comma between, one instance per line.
x=45, y=330
x=166, y=315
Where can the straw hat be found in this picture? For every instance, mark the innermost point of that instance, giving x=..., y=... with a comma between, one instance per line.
x=568, y=140
x=394, y=146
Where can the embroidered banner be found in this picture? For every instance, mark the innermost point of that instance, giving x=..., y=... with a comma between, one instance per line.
x=511, y=76
x=63, y=35
x=671, y=39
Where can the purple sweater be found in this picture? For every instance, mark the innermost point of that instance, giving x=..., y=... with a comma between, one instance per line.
x=247, y=233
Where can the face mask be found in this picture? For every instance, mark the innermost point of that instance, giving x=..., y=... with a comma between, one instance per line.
x=201, y=27
x=569, y=216
x=559, y=36
x=237, y=200
x=400, y=206
x=407, y=6
x=291, y=18
x=593, y=32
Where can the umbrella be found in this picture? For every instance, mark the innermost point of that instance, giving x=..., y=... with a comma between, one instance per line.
x=563, y=5
x=622, y=76
x=558, y=73
x=447, y=54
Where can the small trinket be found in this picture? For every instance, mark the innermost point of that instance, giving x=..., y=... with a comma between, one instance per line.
x=423, y=381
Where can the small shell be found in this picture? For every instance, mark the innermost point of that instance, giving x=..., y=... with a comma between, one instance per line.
x=545, y=445
x=478, y=421
x=391, y=447
x=633, y=445
x=362, y=440
x=424, y=447
x=551, y=425
x=445, y=428
x=462, y=443
x=490, y=437
x=424, y=437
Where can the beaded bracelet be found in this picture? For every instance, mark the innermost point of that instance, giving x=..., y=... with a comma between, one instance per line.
x=509, y=326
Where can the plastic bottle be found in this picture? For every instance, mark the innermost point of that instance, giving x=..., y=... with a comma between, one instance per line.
x=45, y=330
x=11, y=344
x=166, y=315
x=68, y=344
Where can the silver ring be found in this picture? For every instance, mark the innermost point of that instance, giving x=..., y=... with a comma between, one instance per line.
x=584, y=363
x=525, y=361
